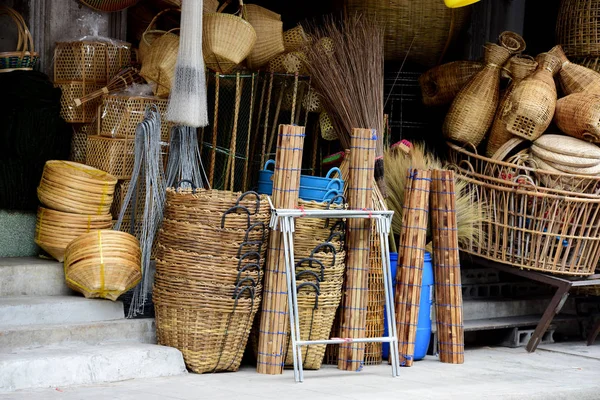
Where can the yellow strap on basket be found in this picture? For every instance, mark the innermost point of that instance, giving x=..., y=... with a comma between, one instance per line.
x=102, y=278
x=102, y=198
x=94, y=172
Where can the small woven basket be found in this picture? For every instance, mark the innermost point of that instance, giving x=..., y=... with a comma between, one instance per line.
x=103, y=264
x=24, y=57
x=79, y=141
x=159, y=63
x=327, y=130
x=295, y=38
x=152, y=33
x=70, y=112
x=578, y=115
x=89, y=61
x=269, y=35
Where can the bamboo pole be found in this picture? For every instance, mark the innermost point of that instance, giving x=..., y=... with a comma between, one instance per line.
x=274, y=316
x=354, y=311
x=409, y=275
x=448, y=293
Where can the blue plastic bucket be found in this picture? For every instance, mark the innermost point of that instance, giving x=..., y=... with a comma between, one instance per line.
x=424, y=321
x=265, y=179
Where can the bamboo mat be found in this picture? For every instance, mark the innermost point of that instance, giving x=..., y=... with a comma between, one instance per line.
x=409, y=275
x=448, y=293
x=272, y=341
x=360, y=188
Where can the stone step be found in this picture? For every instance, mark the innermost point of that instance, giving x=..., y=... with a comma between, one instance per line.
x=482, y=309
x=33, y=336
x=32, y=276
x=38, y=310
x=85, y=365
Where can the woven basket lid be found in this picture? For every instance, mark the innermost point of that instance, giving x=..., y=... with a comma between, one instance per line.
x=569, y=161
x=569, y=146
x=508, y=149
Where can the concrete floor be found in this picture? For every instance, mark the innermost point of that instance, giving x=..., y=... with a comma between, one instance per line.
x=488, y=373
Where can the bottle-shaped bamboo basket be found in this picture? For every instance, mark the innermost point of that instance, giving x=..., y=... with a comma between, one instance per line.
x=519, y=68
x=472, y=111
x=531, y=104
x=578, y=115
x=575, y=78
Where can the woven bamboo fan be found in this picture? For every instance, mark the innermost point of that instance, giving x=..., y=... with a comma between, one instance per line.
x=532, y=103
x=90, y=61
x=577, y=29
x=24, y=57
x=575, y=78
x=152, y=33
x=226, y=40
x=109, y=5
x=472, y=111
x=159, y=63
x=103, y=264
x=269, y=35
x=441, y=84
x=578, y=115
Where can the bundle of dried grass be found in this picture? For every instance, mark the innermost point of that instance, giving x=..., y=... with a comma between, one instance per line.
x=398, y=164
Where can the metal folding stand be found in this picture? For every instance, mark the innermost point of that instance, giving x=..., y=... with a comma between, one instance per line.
x=285, y=219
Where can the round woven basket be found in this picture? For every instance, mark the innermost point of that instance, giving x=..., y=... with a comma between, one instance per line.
x=24, y=57
x=269, y=35
x=103, y=264
x=159, y=63
x=76, y=188
x=219, y=201
x=151, y=34
x=109, y=5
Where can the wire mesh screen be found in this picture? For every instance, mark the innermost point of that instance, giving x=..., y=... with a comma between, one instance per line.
x=226, y=141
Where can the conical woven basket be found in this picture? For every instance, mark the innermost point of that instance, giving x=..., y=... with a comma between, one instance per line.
x=575, y=78
x=295, y=38
x=531, y=104
x=472, y=111
x=519, y=68
x=269, y=35
x=578, y=115
x=441, y=84
x=103, y=264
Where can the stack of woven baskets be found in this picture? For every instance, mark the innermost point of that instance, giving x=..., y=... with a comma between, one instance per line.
x=320, y=266
x=208, y=283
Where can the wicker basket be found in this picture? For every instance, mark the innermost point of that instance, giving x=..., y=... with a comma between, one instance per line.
x=512, y=41
x=527, y=225
x=218, y=201
x=159, y=63
x=103, y=264
x=577, y=29
x=109, y=5
x=575, y=78
x=89, y=62
x=120, y=115
x=79, y=141
x=24, y=57
x=115, y=156
x=441, y=84
x=327, y=130
x=295, y=38
x=76, y=188
x=85, y=113
x=578, y=115
x=269, y=35
x=151, y=33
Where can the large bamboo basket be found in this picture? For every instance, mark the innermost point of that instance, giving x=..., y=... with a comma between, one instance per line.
x=575, y=78
x=76, y=188
x=529, y=226
x=577, y=29
x=269, y=35
x=578, y=115
x=70, y=112
x=103, y=264
x=219, y=201
x=159, y=63
x=441, y=84
x=90, y=61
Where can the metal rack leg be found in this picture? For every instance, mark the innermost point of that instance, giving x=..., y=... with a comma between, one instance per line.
x=290, y=293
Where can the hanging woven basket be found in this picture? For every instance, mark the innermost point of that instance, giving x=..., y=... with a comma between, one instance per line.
x=24, y=57
x=109, y=5
x=151, y=33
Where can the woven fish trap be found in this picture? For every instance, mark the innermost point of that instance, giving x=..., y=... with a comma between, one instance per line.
x=441, y=84
x=512, y=41
x=316, y=313
x=295, y=38
x=576, y=78
x=327, y=130
x=70, y=112
x=592, y=63
x=103, y=263
x=219, y=201
x=210, y=331
x=578, y=115
x=79, y=141
x=89, y=61
x=577, y=29
x=269, y=35
x=120, y=115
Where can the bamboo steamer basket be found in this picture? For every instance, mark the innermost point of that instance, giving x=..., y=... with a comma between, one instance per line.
x=532, y=102
x=159, y=63
x=427, y=27
x=226, y=40
x=151, y=33
x=103, y=263
x=578, y=115
x=472, y=111
x=519, y=68
x=441, y=84
x=575, y=78
x=577, y=29
x=76, y=188
x=269, y=35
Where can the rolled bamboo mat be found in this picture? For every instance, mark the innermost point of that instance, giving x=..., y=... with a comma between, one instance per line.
x=274, y=319
x=360, y=188
x=409, y=275
x=448, y=292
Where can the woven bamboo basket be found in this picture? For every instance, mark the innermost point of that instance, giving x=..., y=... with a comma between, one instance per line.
x=159, y=63
x=592, y=63
x=238, y=218
x=578, y=115
x=115, y=156
x=441, y=84
x=577, y=29
x=211, y=234
x=120, y=115
x=79, y=141
x=312, y=103
x=24, y=57
x=54, y=230
x=103, y=263
x=575, y=78
x=226, y=40
x=269, y=35
x=529, y=226
x=427, y=28
x=519, y=69
x=295, y=38
x=109, y=5
x=327, y=130
x=90, y=61
x=85, y=113
x=532, y=103
x=512, y=41
x=76, y=188
x=219, y=201
x=152, y=33
x=472, y=111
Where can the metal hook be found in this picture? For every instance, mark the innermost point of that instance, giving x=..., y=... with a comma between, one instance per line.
x=233, y=209
x=253, y=193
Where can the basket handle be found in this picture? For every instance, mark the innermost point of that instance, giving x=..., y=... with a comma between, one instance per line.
x=317, y=291
x=246, y=279
x=228, y=2
x=232, y=209
x=243, y=195
x=311, y=273
x=322, y=245
x=334, y=235
x=152, y=24
x=251, y=228
x=247, y=266
x=247, y=254
x=310, y=261
x=24, y=40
